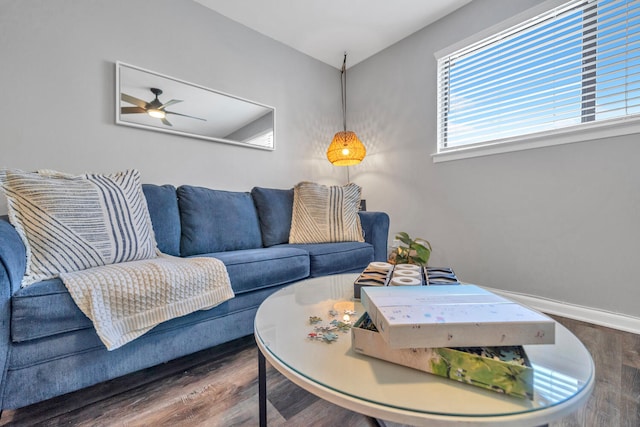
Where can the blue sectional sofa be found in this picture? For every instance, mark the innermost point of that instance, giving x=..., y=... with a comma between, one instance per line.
x=48, y=347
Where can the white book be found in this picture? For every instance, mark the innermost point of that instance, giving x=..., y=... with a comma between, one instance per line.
x=453, y=316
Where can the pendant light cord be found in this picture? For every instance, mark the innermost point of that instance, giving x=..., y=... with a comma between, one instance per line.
x=343, y=84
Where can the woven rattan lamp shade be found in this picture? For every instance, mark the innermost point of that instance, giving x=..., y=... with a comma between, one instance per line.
x=346, y=149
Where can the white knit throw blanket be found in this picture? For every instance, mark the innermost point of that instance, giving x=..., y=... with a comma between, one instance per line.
x=127, y=299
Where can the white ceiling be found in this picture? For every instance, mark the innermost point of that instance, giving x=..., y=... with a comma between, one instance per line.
x=325, y=29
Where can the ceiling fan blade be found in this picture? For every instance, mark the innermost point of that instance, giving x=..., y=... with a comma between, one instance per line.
x=166, y=122
x=166, y=104
x=132, y=110
x=184, y=115
x=133, y=100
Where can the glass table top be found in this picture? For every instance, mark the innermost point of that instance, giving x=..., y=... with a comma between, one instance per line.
x=561, y=370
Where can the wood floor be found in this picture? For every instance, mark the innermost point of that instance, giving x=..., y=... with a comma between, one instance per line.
x=218, y=387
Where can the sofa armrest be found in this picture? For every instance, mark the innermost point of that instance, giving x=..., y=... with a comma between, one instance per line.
x=13, y=261
x=13, y=258
x=376, y=231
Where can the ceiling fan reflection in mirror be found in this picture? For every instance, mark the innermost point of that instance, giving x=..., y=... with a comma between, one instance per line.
x=154, y=108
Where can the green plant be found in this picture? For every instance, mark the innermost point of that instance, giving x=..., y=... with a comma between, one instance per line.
x=410, y=251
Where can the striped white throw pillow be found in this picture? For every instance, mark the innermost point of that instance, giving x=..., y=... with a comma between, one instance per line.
x=323, y=214
x=70, y=223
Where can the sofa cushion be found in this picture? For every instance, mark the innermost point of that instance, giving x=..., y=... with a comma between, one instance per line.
x=335, y=258
x=323, y=214
x=275, y=208
x=43, y=309
x=216, y=221
x=162, y=201
x=73, y=222
x=61, y=343
x=46, y=308
x=253, y=269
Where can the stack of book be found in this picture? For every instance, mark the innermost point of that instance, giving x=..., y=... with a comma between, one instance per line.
x=461, y=332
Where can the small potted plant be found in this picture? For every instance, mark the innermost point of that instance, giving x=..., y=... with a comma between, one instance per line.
x=410, y=251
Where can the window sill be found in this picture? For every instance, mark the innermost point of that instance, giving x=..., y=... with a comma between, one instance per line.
x=580, y=133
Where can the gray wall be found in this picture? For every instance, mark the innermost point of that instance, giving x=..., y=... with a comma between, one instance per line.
x=559, y=222
x=57, y=86
x=556, y=222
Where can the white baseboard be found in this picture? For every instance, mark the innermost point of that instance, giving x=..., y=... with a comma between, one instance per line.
x=596, y=316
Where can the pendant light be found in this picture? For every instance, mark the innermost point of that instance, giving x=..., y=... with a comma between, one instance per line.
x=345, y=149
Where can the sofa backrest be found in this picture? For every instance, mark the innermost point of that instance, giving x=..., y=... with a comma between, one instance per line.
x=162, y=201
x=216, y=221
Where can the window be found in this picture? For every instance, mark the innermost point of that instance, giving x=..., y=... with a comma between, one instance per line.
x=566, y=69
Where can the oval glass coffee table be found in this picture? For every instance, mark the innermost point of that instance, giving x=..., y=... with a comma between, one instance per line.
x=563, y=372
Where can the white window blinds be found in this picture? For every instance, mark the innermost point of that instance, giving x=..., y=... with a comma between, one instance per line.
x=575, y=64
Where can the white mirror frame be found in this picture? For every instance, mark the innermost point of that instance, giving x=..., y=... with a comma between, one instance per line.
x=197, y=112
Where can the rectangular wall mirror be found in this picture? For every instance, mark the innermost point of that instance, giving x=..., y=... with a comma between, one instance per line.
x=149, y=100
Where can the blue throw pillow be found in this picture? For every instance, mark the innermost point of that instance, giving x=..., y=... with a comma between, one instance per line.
x=165, y=217
x=275, y=208
x=217, y=221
